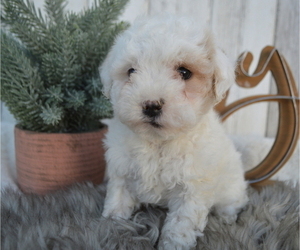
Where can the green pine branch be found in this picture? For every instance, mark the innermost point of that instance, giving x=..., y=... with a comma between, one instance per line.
x=55, y=11
x=26, y=23
x=23, y=12
x=50, y=79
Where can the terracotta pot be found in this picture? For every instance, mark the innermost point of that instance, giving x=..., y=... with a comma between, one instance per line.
x=50, y=161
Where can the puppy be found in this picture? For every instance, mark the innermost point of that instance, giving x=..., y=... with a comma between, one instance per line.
x=165, y=145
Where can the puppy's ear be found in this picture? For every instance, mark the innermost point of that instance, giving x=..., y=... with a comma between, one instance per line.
x=105, y=74
x=224, y=74
x=224, y=69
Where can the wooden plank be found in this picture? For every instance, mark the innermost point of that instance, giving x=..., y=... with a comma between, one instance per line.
x=287, y=42
x=134, y=9
x=162, y=6
x=199, y=10
x=6, y=116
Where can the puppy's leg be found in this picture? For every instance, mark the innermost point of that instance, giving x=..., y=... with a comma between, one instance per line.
x=185, y=221
x=231, y=204
x=119, y=203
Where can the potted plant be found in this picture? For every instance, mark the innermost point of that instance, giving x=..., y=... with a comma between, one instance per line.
x=50, y=83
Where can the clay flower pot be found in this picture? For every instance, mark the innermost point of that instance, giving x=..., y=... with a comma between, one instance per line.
x=50, y=161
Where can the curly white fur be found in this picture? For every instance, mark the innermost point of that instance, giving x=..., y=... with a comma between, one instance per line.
x=180, y=158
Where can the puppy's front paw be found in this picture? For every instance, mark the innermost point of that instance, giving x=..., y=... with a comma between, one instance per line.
x=116, y=213
x=228, y=213
x=171, y=241
x=228, y=218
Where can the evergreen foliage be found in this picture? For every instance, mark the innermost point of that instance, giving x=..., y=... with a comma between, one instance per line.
x=49, y=65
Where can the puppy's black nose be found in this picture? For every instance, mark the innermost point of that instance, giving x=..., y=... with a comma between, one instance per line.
x=152, y=108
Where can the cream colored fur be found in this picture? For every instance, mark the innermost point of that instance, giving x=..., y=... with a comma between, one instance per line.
x=185, y=162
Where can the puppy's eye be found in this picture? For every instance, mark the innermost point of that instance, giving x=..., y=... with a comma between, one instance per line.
x=130, y=71
x=185, y=73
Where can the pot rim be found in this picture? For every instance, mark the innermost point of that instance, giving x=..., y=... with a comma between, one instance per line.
x=104, y=127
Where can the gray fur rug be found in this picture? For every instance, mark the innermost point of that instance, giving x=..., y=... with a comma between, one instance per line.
x=72, y=220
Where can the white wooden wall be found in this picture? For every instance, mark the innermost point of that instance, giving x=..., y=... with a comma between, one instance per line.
x=239, y=25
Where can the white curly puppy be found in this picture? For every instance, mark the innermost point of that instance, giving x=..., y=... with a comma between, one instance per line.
x=165, y=144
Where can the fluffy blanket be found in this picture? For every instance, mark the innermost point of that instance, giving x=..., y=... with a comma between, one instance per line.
x=72, y=219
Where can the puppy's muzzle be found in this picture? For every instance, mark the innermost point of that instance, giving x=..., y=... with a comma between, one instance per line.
x=153, y=109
